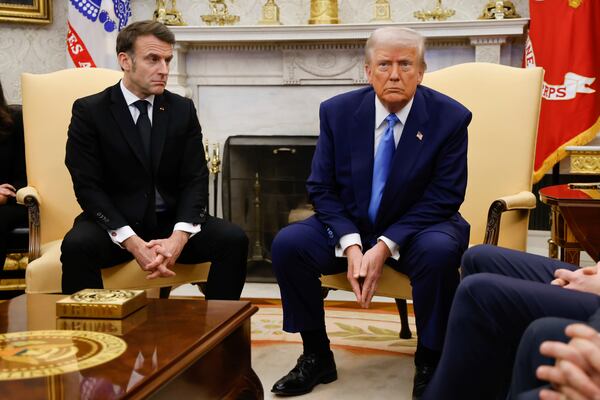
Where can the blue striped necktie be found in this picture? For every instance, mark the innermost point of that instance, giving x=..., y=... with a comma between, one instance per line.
x=382, y=165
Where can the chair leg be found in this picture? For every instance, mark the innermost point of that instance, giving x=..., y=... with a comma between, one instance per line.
x=405, y=332
x=165, y=292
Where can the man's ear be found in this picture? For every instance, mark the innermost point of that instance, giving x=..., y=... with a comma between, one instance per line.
x=124, y=61
x=368, y=72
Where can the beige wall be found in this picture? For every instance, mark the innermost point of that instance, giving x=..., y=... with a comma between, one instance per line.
x=40, y=49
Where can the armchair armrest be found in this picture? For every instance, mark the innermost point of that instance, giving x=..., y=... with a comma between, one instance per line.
x=23, y=193
x=520, y=201
x=30, y=197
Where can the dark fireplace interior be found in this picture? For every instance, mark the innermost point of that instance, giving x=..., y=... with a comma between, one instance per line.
x=264, y=178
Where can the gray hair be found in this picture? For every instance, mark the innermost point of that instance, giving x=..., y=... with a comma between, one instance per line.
x=403, y=37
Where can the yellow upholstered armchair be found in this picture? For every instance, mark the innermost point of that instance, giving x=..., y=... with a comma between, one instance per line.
x=505, y=103
x=47, y=102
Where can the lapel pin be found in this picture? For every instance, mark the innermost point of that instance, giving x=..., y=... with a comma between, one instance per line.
x=161, y=108
x=419, y=136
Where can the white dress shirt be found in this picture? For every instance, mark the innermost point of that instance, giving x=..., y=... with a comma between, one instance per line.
x=381, y=114
x=123, y=233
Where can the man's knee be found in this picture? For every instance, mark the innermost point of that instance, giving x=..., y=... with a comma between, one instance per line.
x=547, y=328
x=74, y=243
x=285, y=245
x=475, y=288
x=438, y=252
x=476, y=256
x=236, y=237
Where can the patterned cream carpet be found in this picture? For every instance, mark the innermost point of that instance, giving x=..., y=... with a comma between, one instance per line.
x=372, y=361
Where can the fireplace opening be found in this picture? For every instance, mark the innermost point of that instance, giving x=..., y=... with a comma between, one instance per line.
x=263, y=181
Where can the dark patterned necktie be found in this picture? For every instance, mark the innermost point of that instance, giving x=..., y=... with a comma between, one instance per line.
x=143, y=125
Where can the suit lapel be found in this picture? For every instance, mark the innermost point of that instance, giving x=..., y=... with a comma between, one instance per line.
x=362, y=142
x=121, y=113
x=160, y=123
x=407, y=152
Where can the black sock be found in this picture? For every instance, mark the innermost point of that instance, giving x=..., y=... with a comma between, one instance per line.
x=426, y=356
x=316, y=342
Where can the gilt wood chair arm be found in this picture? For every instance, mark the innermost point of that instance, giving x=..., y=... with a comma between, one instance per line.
x=30, y=197
x=520, y=201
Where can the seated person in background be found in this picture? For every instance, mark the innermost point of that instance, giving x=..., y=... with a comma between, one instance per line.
x=388, y=177
x=136, y=158
x=544, y=356
x=12, y=172
x=501, y=293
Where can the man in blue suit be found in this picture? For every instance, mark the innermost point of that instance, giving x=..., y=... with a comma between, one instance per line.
x=388, y=177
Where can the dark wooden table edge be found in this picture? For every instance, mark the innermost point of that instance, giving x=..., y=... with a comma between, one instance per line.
x=173, y=369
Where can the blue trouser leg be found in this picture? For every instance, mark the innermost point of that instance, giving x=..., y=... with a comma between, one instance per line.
x=300, y=254
x=431, y=261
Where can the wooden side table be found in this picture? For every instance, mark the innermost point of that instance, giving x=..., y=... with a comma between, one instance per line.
x=575, y=220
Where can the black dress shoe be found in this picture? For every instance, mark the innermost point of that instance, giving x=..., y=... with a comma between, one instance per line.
x=423, y=375
x=310, y=370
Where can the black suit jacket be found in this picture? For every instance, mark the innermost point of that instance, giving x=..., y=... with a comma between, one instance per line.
x=114, y=180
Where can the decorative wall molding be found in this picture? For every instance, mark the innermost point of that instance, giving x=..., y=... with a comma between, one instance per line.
x=320, y=54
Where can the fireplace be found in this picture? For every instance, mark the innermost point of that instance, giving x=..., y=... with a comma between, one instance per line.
x=264, y=179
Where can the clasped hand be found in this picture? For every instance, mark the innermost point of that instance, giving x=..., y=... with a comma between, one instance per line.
x=584, y=279
x=576, y=372
x=157, y=256
x=364, y=270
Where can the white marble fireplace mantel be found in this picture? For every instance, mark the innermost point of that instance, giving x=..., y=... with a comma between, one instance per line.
x=331, y=47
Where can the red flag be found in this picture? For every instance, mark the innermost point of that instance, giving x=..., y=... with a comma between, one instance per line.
x=565, y=41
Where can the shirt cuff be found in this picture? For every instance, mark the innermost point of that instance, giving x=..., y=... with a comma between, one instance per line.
x=393, y=246
x=192, y=229
x=345, y=242
x=121, y=234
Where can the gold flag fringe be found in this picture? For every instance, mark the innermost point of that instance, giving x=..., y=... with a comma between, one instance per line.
x=560, y=153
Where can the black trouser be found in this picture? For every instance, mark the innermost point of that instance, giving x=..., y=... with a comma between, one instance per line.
x=11, y=216
x=87, y=248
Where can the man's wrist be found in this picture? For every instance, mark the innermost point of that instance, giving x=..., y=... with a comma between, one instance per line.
x=130, y=242
x=352, y=248
x=181, y=236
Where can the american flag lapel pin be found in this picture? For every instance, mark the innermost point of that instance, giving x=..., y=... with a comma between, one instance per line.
x=419, y=135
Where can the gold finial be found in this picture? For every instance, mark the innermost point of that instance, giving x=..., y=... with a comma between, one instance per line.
x=383, y=12
x=438, y=13
x=270, y=14
x=499, y=10
x=168, y=16
x=323, y=12
x=219, y=14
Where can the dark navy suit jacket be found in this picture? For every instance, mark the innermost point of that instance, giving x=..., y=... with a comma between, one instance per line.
x=426, y=185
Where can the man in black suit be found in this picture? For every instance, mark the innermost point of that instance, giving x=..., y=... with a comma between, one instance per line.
x=136, y=158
